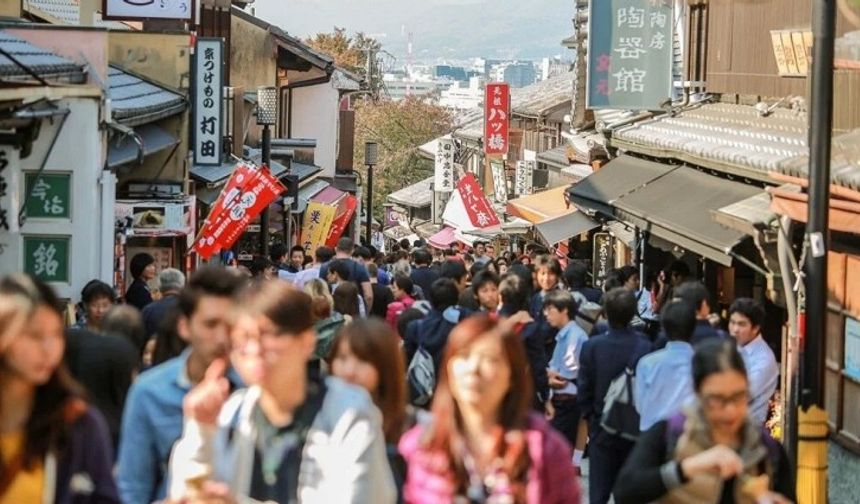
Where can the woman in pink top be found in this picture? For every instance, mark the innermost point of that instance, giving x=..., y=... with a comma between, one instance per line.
x=483, y=444
x=401, y=287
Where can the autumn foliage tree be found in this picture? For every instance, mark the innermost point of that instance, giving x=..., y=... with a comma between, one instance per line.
x=348, y=52
x=399, y=128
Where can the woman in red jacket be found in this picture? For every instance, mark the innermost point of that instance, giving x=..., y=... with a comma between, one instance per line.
x=483, y=444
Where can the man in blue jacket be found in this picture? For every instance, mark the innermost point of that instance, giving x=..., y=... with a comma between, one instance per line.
x=603, y=358
x=432, y=332
x=152, y=420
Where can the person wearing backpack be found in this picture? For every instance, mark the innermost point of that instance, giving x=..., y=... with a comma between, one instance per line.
x=714, y=451
x=425, y=340
x=604, y=359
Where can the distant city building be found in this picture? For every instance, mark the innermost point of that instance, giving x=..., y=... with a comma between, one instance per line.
x=399, y=87
x=550, y=67
x=461, y=98
x=451, y=72
x=520, y=74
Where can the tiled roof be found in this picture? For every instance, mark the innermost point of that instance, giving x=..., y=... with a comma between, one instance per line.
x=417, y=195
x=136, y=101
x=844, y=162
x=721, y=136
x=66, y=12
x=44, y=63
x=539, y=98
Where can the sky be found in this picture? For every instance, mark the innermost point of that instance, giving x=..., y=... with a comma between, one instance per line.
x=440, y=28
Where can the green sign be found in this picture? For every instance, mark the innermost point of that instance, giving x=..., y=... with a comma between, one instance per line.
x=630, y=54
x=47, y=257
x=48, y=195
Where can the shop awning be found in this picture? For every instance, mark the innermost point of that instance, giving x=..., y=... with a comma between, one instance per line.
x=541, y=206
x=309, y=191
x=124, y=149
x=218, y=174
x=749, y=216
x=400, y=232
x=621, y=176
x=562, y=228
x=677, y=207
x=443, y=239
x=418, y=195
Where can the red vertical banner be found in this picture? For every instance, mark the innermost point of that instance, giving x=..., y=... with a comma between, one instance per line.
x=341, y=221
x=248, y=192
x=497, y=118
x=478, y=208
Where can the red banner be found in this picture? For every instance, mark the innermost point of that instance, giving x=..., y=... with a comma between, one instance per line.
x=497, y=118
x=340, y=223
x=479, y=209
x=245, y=196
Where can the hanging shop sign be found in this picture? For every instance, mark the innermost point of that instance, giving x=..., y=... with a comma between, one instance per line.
x=208, y=98
x=248, y=192
x=524, y=180
x=630, y=54
x=497, y=118
x=318, y=221
x=182, y=10
x=500, y=181
x=340, y=223
x=444, y=173
x=601, y=263
x=478, y=208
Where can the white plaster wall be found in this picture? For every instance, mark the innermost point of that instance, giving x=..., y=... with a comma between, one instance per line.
x=79, y=149
x=315, y=114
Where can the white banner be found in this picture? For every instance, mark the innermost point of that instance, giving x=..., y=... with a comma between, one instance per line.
x=444, y=180
x=525, y=177
x=149, y=9
x=207, y=95
x=500, y=182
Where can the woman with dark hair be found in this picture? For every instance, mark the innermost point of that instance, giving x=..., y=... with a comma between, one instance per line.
x=97, y=298
x=142, y=269
x=483, y=444
x=346, y=300
x=54, y=447
x=367, y=353
x=712, y=451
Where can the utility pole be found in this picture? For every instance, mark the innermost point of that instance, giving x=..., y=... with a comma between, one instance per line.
x=820, y=135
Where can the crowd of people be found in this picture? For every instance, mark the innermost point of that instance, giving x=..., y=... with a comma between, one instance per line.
x=418, y=376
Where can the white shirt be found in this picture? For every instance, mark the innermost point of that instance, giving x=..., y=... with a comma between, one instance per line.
x=762, y=374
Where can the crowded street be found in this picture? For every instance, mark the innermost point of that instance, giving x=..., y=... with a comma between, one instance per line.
x=451, y=251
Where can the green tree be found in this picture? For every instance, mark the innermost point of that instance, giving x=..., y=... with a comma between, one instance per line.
x=399, y=128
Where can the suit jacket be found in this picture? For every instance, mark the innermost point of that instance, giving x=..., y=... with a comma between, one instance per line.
x=138, y=295
x=603, y=358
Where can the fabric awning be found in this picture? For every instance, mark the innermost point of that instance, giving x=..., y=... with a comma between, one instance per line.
x=622, y=175
x=540, y=206
x=443, y=239
x=124, y=149
x=562, y=228
x=748, y=216
x=677, y=207
x=308, y=192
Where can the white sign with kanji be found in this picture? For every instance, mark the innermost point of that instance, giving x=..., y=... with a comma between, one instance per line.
x=444, y=173
x=207, y=94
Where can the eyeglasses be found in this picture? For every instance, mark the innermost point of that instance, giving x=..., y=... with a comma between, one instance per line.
x=718, y=401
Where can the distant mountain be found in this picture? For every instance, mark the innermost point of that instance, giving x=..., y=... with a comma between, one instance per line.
x=524, y=29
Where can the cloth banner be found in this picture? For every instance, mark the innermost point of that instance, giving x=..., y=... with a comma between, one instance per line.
x=318, y=221
x=478, y=208
x=248, y=192
x=340, y=223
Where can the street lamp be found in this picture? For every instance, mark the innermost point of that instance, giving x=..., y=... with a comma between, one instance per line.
x=370, y=151
x=267, y=114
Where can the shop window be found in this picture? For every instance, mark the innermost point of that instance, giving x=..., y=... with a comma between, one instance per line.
x=851, y=415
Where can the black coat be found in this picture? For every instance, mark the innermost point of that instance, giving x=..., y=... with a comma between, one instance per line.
x=138, y=294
